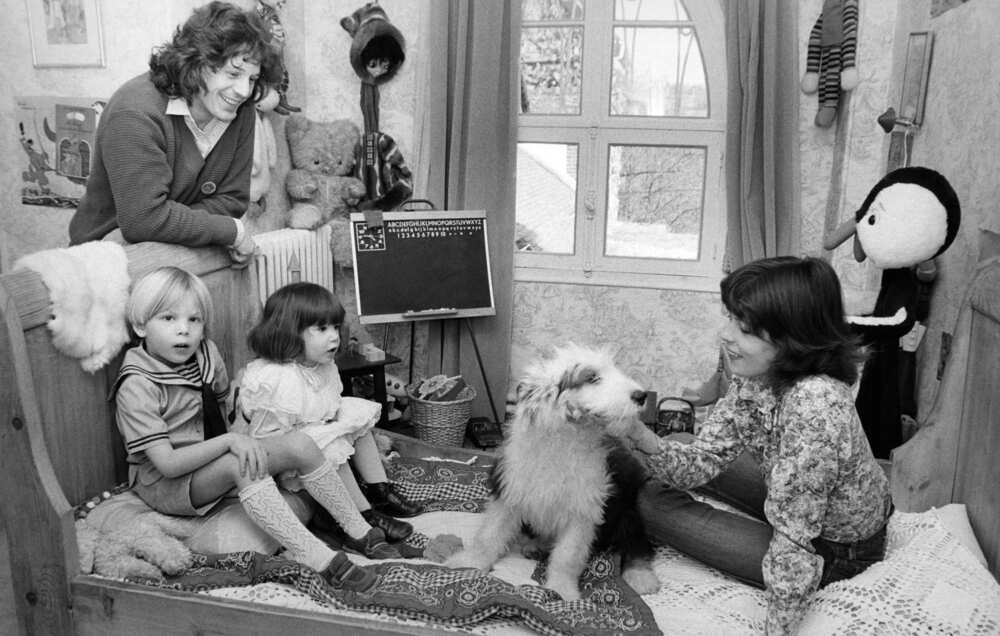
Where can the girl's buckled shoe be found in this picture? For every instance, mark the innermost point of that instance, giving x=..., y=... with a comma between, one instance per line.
x=394, y=529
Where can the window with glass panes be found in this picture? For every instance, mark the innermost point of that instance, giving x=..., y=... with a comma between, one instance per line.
x=620, y=143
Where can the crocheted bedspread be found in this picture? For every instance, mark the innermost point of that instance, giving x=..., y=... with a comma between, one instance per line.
x=933, y=581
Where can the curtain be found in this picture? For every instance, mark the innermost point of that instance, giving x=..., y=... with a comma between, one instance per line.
x=762, y=148
x=466, y=144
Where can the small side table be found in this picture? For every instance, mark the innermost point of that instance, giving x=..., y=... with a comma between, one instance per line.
x=353, y=365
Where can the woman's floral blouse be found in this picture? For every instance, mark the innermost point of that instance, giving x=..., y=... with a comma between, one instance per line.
x=821, y=477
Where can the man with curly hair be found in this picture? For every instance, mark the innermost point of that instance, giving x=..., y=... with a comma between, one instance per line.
x=174, y=146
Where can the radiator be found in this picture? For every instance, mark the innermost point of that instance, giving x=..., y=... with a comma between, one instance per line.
x=288, y=256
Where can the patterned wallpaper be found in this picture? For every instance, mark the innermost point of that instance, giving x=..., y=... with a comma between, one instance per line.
x=665, y=339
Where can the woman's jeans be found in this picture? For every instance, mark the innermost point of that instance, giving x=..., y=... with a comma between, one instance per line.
x=734, y=543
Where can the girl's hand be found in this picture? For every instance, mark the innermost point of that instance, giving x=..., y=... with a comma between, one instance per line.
x=251, y=456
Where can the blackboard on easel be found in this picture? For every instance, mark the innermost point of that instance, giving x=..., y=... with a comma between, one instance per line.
x=422, y=265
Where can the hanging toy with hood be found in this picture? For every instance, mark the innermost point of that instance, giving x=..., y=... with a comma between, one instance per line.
x=377, y=52
x=910, y=216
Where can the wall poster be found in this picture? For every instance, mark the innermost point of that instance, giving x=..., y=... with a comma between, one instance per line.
x=56, y=135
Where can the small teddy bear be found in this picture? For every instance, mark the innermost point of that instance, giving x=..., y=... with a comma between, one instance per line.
x=123, y=537
x=321, y=184
x=831, y=57
x=397, y=399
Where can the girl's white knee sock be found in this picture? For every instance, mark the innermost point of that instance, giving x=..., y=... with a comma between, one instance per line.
x=269, y=510
x=326, y=487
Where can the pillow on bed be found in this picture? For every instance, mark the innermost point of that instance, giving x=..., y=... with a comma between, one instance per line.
x=228, y=528
x=930, y=582
x=955, y=519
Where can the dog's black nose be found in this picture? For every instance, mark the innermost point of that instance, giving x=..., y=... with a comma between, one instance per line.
x=639, y=397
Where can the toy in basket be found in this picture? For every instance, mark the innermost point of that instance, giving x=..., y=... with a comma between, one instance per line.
x=440, y=408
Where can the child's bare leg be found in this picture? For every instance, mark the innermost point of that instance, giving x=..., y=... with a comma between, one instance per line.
x=395, y=530
x=368, y=461
x=347, y=476
x=380, y=492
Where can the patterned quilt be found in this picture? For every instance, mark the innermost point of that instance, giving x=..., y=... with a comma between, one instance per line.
x=437, y=595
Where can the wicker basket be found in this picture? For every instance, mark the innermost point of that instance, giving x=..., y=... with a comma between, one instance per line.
x=442, y=423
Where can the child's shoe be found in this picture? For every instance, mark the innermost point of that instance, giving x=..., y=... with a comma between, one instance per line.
x=394, y=529
x=373, y=545
x=384, y=498
x=343, y=574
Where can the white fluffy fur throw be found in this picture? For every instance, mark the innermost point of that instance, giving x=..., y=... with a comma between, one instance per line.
x=88, y=286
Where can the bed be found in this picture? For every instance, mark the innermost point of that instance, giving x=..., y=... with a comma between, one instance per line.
x=60, y=448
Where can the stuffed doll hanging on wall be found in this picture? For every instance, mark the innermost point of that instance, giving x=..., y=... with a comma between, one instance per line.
x=377, y=52
x=270, y=12
x=910, y=216
x=831, y=57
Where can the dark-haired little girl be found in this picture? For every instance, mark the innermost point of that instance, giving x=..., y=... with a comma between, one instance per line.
x=295, y=385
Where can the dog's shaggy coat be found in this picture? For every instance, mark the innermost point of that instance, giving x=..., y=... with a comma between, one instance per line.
x=568, y=474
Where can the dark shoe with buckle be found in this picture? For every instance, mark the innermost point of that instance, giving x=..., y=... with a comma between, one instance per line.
x=385, y=499
x=343, y=574
x=373, y=545
x=394, y=529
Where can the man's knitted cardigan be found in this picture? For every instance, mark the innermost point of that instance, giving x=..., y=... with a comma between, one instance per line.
x=149, y=179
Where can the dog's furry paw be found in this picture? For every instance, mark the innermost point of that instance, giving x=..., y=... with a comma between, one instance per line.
x=533, y=548
x=642, y=579
x=468, y=559
x=442, y=547
x=564, y=587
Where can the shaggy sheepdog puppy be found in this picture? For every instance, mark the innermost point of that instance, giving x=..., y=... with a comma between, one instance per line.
x=567, y=472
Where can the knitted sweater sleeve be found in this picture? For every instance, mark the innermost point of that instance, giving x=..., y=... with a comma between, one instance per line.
x=134, y=148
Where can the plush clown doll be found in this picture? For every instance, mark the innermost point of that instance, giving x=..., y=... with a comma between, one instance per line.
x=910, y=216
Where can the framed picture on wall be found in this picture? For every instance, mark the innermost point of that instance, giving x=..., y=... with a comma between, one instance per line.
x=65, y=33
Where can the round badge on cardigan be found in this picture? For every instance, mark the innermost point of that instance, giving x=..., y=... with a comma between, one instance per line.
x=208, y=187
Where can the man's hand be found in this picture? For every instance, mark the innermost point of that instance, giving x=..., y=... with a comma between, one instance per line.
x=243, y=251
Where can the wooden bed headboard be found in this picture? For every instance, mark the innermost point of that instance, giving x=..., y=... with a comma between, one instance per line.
x=953, y=457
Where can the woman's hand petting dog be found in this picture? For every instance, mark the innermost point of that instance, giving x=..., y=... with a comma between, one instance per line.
x=643, y=439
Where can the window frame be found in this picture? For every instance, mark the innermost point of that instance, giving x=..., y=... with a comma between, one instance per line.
x=594, y=131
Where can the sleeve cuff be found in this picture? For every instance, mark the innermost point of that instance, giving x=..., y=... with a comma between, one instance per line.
x=240, y=233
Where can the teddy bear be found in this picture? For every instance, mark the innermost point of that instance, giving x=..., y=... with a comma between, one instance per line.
x=911, y=216
x=831, y=57
x=320, y=183
x=121, y=536
x=396, y=398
